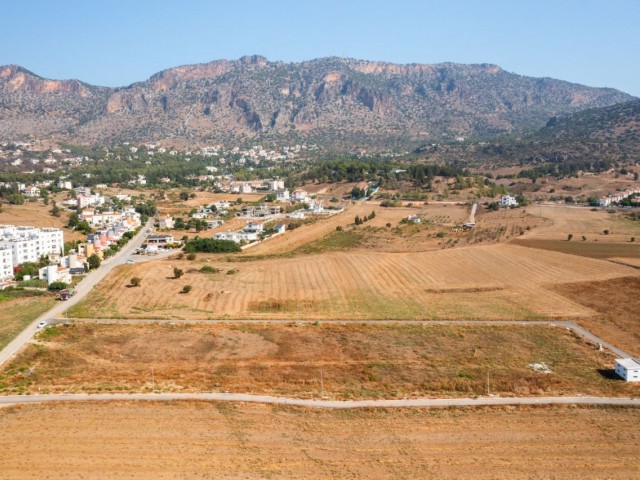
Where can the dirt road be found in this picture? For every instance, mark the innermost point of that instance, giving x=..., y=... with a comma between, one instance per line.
x=314, y=403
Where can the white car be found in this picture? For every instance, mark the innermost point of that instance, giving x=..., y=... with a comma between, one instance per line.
x=42, y=324
x=129, y=262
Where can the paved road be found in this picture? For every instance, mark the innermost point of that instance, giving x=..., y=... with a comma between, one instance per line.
x=334, y=404
x=564, y=324
x=83, y=288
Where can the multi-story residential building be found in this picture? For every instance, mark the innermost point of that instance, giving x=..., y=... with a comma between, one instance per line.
x=29, y=244
x=6, y=263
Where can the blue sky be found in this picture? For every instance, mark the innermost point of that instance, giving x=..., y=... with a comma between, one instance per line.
x=118, y=42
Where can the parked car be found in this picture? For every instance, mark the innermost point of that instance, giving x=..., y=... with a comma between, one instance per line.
x=42, y=324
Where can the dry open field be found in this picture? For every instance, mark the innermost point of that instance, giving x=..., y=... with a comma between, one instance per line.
x=339, y=361
x=615, y=306
x=485, y=282
x=38, y=214
x=190, y=440
x=579, y=221
x=16, y=313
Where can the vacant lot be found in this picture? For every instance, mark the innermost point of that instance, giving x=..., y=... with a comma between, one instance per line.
x=17, y=312
x=340, y=361
x=190, y=440
x=485, y=282
x=581, y=221
x=615, y=304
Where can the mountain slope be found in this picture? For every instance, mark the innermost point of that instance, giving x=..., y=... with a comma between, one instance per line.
x=330, y=101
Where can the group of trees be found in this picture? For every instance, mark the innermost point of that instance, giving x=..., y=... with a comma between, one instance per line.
x=211, y=245
x=360, y=220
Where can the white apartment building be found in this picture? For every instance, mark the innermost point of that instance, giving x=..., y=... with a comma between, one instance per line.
x=6, y=263
x=282, y=195
x=28, y=244
x=275, y=185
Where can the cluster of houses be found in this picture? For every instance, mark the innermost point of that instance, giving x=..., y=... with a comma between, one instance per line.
x=617, y=197
x=20, y=244
x=249, y=234
x=109, y=228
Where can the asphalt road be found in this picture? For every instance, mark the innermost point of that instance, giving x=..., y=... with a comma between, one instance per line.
x=82, y=289
x=321, y=403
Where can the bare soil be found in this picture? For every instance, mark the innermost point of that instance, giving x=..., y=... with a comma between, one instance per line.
x=197, y=440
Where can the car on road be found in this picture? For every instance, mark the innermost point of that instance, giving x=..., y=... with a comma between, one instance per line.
x=129, y=262
x=42, y=324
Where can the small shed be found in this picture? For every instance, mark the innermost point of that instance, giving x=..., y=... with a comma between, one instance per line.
x=628, y=369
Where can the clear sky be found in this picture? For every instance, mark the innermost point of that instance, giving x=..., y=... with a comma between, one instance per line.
x=118, y=42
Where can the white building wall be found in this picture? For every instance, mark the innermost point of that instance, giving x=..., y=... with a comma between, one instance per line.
x=6, y=263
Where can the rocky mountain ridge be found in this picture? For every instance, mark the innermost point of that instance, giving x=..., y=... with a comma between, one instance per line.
x=329, y=101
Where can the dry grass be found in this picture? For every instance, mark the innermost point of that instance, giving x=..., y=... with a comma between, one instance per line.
x=579, y=221
x=354, y=361
x=16, y=314
x=488, y=282
x=615, y=303
x=190, y=440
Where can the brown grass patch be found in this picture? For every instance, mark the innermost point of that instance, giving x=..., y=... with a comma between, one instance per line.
x=342, y=361
x=616, y=304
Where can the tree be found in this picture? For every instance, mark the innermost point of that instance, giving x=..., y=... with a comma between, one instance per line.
x=27, y=268
x=211, y=245
x=57, y=286
x=136, y=281
x=177, y=272
x=569, y=237
x=16, y=199
x=184, y=195
x=191, y=256
x=84, y=227
x=179, y=223
x=94, y=261
x=55, y=210
x=74, y=219
x=186, y=289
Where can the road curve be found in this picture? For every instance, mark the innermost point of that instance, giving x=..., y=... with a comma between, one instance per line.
x=319, y=403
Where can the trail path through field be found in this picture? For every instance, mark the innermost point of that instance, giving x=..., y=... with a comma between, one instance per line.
x=321, y=403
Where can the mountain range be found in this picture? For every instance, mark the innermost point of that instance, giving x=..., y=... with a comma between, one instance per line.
x=329, y=101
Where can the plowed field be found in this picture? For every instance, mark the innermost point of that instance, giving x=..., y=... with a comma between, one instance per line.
x=194, y=440
x=492, y=282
